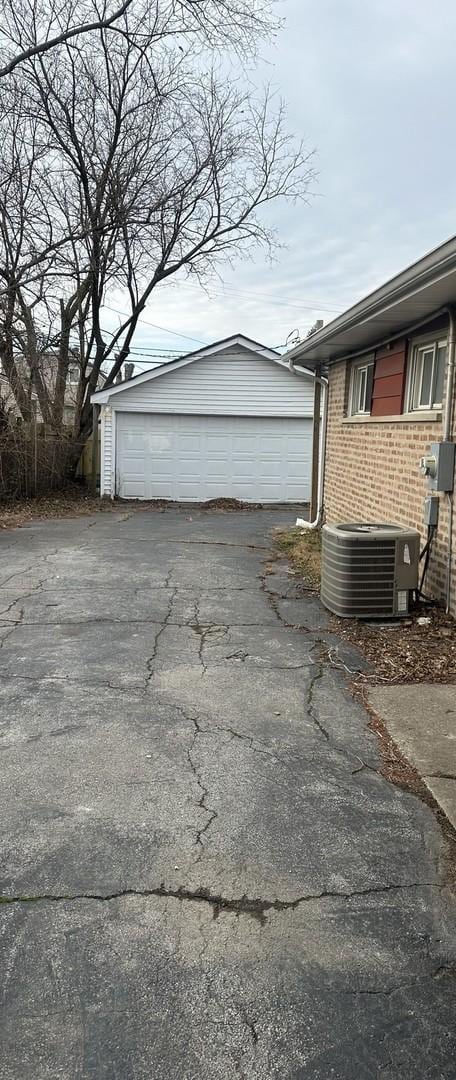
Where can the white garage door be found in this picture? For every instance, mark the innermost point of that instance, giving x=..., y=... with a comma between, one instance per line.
x=194, y=458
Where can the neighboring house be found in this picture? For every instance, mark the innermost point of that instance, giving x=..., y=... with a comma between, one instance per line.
x=389, y=361
x=229, y=420
x=48, y=367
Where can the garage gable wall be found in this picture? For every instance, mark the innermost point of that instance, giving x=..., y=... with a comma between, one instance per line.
x=227, y=384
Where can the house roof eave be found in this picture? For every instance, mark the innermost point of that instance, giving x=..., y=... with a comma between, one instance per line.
x=413, y=296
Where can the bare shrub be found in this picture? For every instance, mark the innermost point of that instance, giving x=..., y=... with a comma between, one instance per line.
x=33, y=462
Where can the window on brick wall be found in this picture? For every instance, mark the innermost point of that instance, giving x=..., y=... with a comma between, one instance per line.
x=426, y=374
x=360, y=392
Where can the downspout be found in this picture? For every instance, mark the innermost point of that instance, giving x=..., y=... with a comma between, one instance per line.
x=315, y=524
x=448, y=406
x=447, y=434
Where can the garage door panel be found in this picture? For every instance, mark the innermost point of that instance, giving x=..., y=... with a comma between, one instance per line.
x=271, y=471
x=294, y=445
x=190, y=467
x=244, y=469
x=189, y=444
x=193, y=458
x=295, y=469
x=246, y=444
x=162, y=445
x=134, y=489
x=133, y=442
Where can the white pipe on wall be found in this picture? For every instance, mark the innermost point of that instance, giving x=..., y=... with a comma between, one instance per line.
x=448, y=406
x=321, y=473
x=447, y=428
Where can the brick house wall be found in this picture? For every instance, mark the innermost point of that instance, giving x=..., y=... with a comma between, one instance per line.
x=372, y=474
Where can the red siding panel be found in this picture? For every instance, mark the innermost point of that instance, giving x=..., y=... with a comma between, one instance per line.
x=388, y=406
x=394, y=347
x=390, y=365
x=388, y=387
x=389, y=380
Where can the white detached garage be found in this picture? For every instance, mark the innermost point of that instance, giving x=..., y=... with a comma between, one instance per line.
x=230, y=420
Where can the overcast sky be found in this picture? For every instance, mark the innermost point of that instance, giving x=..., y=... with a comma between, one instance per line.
x=371, y=85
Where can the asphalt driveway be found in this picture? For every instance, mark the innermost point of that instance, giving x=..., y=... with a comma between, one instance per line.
x=205, y=874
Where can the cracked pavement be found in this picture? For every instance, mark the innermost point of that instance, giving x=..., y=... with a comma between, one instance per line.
x=204, y=873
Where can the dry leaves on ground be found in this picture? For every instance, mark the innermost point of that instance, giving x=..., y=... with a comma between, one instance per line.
x=398, y=652
x=405, y=651
x=73, y=501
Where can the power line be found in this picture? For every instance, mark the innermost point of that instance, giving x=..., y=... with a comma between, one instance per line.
x=271, y=298
x=155, y=326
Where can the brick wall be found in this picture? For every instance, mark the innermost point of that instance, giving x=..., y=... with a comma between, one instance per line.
x=372, y=474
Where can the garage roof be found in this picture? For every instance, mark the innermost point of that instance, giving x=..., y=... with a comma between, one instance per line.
x=411, y=297
x=218, y=346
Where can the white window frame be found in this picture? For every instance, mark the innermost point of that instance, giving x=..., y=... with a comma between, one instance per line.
x=71, y=368
x=415, y=374
x=354, y=393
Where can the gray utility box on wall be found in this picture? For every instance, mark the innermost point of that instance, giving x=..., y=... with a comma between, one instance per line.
x=368, y=570
x=438, y=466
x=443, y=480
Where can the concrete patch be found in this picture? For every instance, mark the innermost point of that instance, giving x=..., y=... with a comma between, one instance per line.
x=422, y=721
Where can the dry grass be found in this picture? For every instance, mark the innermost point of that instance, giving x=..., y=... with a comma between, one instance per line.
x=303, y=550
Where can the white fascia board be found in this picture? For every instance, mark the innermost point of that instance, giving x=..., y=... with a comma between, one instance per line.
x=103, y=396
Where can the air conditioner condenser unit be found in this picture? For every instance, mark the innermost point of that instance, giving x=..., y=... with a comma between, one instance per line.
x=369, y=570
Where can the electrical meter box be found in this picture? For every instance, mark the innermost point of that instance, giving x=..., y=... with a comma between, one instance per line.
x=443, y=480
x=438, y=466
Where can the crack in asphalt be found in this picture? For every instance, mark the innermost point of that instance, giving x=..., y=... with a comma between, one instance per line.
x=439, y=776
x=440, y=972
x=205, y=631
x=249, y=1023
x=14, y=626
x=210, y=543
x=312, y=713
x=249, y=739
x=150, y=662
x=272, y=598
x=212, y=814
x=241, y=656
x=311, y=707
x=255, y=908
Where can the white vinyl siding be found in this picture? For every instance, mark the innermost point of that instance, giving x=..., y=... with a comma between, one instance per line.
x=227, y=384
x=106, y=448
x=194, y=458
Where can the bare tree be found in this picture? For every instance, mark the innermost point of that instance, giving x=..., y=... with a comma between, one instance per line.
x=32, y=28
x=147, y=167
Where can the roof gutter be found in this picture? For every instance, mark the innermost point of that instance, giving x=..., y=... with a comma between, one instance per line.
x=404, y=332
x=375, y=305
